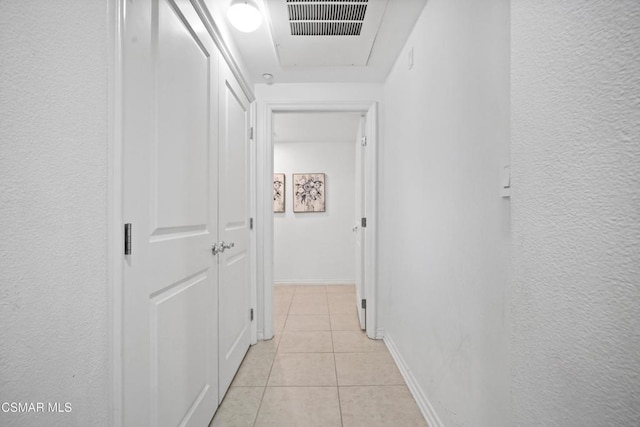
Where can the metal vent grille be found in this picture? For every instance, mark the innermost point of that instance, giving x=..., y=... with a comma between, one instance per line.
x=327, y=12
x=326, y=18
x=326, y=28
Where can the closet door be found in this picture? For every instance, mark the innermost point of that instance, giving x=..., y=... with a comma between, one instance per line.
x=170, y=174
x=233, y=198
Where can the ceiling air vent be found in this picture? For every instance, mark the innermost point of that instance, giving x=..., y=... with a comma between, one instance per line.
x=324, y=33
x=326, y=17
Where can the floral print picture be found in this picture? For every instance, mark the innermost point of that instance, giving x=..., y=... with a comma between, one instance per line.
x=278, y=192
x=308, y=192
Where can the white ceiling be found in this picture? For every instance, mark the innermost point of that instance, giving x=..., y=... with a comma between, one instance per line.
x=316, y=127
x=259, y=54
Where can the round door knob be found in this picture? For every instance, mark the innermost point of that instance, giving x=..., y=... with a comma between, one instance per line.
x=215, y=249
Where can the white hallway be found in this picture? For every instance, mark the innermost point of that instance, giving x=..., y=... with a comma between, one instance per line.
x=522, y=311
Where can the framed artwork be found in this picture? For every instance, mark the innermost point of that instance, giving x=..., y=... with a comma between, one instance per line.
x=309, y=192
x=278, y=192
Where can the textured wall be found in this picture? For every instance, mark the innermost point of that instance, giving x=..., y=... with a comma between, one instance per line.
x=53, y=177
x=576, y=212
x=444, y=227
x=316, y=247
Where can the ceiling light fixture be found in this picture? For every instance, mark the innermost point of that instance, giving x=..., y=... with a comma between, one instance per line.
x=244, y=15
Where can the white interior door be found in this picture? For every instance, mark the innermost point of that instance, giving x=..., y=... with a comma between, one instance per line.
x=359, y=232
x=170, y=172
x=369, y=177
x=365, y=212
x=234, y=284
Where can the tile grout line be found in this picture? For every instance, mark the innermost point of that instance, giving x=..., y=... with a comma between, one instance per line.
x=335, y=366
x=255, y=420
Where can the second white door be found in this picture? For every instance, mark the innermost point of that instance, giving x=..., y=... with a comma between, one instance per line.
x=233, y=200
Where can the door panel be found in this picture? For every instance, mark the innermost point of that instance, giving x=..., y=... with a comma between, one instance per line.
x=170, y=197
x=184, y=76
x=234, y=279
x=181, y=357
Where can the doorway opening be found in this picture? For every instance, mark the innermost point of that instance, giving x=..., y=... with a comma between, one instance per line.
x=359, y=242
x=318, y=199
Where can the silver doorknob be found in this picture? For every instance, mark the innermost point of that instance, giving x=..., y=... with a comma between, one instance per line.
x=224, y=246
x=218, y=248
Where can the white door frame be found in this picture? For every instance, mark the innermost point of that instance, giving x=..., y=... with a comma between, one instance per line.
x=265, y=204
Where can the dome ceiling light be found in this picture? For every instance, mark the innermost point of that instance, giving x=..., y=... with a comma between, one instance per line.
x=244, y=15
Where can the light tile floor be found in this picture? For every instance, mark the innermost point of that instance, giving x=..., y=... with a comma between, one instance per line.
x=320, y=369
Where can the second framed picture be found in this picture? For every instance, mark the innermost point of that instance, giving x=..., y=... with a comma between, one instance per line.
x=309, y=192
x=278, y=192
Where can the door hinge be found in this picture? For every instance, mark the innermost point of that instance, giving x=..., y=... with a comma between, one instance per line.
x=127, y=238
x=251, y=314
x=363, y=223
x=251, y=133
x=364, y=304
x=363, y=141
x=250, y=223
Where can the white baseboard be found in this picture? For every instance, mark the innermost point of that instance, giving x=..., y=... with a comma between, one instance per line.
x=418, y=394
x=313, y=282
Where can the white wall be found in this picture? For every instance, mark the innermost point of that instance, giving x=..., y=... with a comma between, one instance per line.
x=576, y=213
x=316, y=247
x=53, y=214
x=444, y=229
